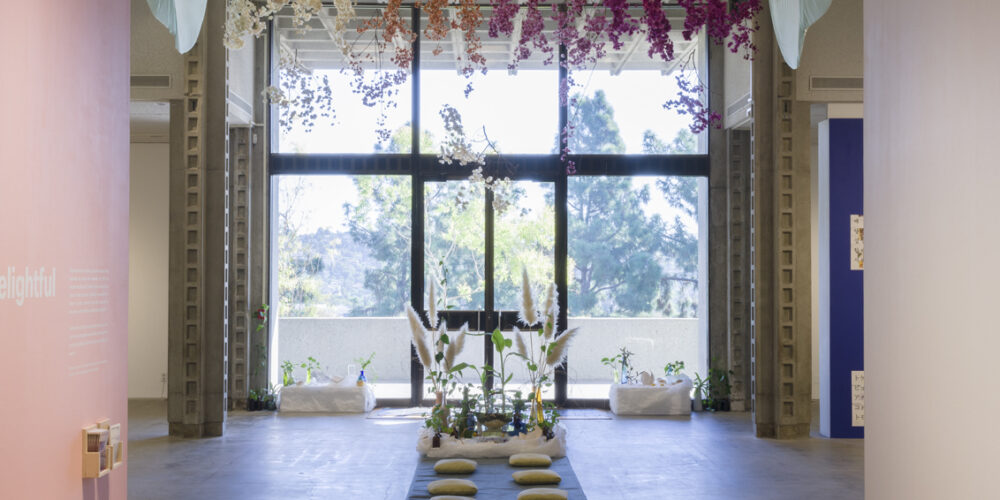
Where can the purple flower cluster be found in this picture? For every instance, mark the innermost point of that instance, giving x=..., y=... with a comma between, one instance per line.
x=502, y=20
x=622, y=24
x=657, y=30
x=720, y=21
x=689, y=102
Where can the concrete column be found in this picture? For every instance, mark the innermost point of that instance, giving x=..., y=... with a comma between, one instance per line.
x=259, y=211
x=718, y=258
x=780, y=329
x=739, y=266
x=241, y=313
x=931, y=239
x=199, y=240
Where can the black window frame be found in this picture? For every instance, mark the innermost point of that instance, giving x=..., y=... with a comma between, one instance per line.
x=425, y=167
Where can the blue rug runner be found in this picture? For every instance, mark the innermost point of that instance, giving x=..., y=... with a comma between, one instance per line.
x=493, y=478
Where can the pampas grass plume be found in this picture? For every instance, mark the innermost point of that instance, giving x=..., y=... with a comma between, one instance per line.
x=419, y=337
x=528, y=315
x=561, y=348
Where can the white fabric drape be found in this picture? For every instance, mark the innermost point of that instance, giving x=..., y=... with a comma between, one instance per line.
x=183, y=18
x=791, y=20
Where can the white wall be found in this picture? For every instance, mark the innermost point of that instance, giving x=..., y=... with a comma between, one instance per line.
x=336, y=342
x=148, y=267
x=931, y=269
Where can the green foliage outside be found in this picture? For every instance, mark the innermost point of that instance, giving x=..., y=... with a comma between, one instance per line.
x=633, y=244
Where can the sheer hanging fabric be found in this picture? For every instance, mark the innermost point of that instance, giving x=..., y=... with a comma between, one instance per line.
x=182, y=18
x=791, y=19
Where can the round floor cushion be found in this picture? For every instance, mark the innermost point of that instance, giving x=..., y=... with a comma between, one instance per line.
x=452, y=487
x=537, y=476
x=530, y=460
x=455, y=466
x=543, y=494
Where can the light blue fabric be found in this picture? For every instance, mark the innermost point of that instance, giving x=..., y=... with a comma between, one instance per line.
x=791, y=20
x=183, y=18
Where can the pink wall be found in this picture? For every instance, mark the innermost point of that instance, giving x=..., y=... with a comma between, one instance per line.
x=64, y=203
x=931, y=244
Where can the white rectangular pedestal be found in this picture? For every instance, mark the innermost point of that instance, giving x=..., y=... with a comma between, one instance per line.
x=328, y=398
x=673, y=399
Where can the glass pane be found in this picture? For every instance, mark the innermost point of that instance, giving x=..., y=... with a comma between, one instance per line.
x=617, y=104
x=357, y=118
x=455, y=244
x=517, y=112
x=634, y=267
x=343, y=258
x=524, y=238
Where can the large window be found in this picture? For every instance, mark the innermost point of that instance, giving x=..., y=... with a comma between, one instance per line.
x=634, y=275
x=343, y=259
x=619, y=236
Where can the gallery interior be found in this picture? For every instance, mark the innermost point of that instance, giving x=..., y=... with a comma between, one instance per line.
x=583, y=249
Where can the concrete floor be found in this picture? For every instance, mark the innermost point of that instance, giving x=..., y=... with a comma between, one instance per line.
x=270, y=456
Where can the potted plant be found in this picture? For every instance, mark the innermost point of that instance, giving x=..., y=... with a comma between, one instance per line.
x=253, y=401
x=674, y=369
x=719, y=388
x=437, y=352
x=310, y=365
x=621, y=366
x=364, y=364
x=286, y=373
x=542, y=350
x=699, y=389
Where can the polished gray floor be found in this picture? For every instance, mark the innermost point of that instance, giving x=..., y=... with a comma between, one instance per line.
x=270, y=456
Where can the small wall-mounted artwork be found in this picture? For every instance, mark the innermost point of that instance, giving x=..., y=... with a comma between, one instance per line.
x=858, y=398
x=857, y=242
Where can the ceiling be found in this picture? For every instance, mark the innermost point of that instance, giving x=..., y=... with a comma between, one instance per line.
x=314, y=45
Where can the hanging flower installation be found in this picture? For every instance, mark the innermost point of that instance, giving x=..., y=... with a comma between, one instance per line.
x=586, y=28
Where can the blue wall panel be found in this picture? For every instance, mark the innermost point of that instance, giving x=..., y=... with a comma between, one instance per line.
x=846, y=286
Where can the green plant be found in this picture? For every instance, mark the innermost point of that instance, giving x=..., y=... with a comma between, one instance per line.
x=365, y=362
x=310, y=365
x=699, y=386
x=550, y=351
x=622, y=359
x=253, y=395
x=674, y=368
x=261, y=316
x=719, y=386
x=437, y=352
x=286, y=373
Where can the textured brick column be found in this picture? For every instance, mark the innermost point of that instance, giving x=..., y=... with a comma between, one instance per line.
x=199, y=239
x=240, y=317
x=739, y=266
x=780, y=326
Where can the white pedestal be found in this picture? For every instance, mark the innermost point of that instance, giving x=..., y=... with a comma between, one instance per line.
x=327, y=398
x=672, y=399
x=534, y=442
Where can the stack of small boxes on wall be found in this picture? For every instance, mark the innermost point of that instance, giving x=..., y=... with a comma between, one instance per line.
x=103, y=449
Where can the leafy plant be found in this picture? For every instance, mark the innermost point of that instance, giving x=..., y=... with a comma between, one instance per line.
x=253, y=395
x=286, y=373
x=365, y=362
x=551, y=349
x=699, y=386
x=310, y=365
x=502, y=343
x=674, y=368
x=719, y=386
x=261, y=316
x=437, y=353
x=623, y=360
